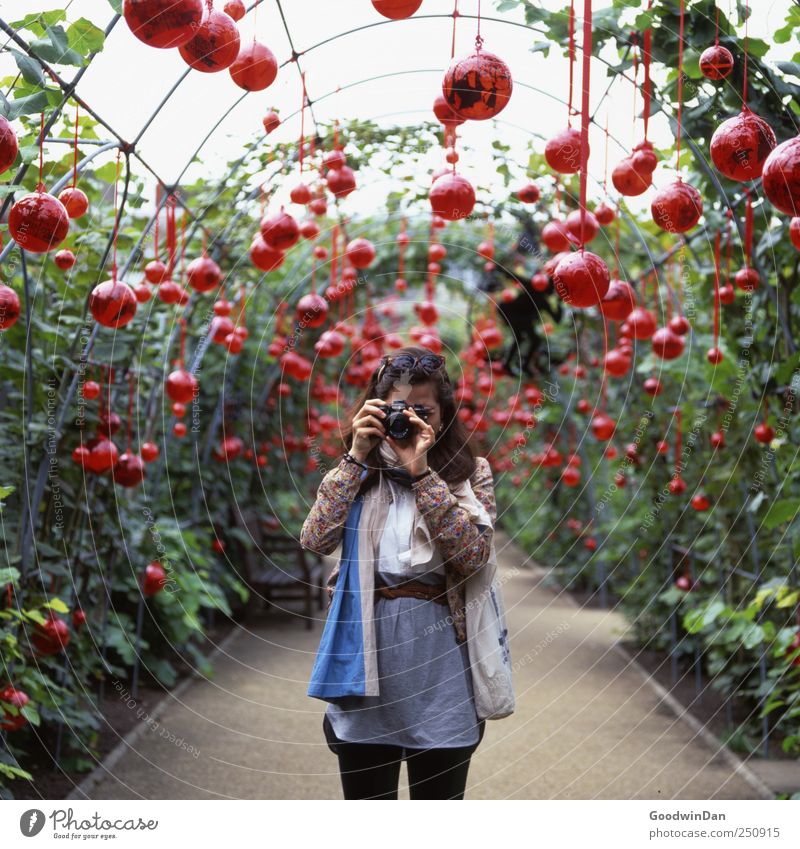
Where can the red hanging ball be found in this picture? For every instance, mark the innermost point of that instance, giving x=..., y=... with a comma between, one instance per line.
x=129, y=471
x=452, y=197
x=220, y=328
x=149, y=451
x=780, y=177
x=717, y=439
x=700, y=502
x=155, y=578
x=680, y=324
x=17, y=698
x=264, y=256
x=652, y=386
x=318, y=206
x=794, y=232
x=628, y=181
x=181, y=386
x=677, y=207
x=179, y=429
x=428, y=314
x=203, y=274
x=163, y=23
x=361, y=253
x=169, y=292
x=222, y=307
x=764, y=433
x=716, y=62
x=714, y=356
x=255, y=68
x=540, y=282
x=604, y=213
x=52, y=637
x=445, y=115
x=677, y=485
x=235, y=8
x=64, y=260
x=619, y=301
x=616, y=363
x=108, y=422
x=103, y=456
x=75, y=202
x=215, y=44
x=341, y=181
x=112, y=303
x=9, y=147
x=727, y=294
x=38, y=222
x=334, y=159
x=309, y=229
x=178, y=410
x=563, y=151
x=603, y=427
x=312, y=310
x=396, y=10
x=271, y=121
x=300, y=194
x=91, y=390
x=280, y=231
x=9, y=307
x=747, y=279
x=529, y=193
x=642, y=323
x=554, y=236
x=741, y=145
x=156, y=271
x=571, y=476
x=582, y=279
x=644, y=159
x=478, y=86
x=590, y=229
x=666, y=344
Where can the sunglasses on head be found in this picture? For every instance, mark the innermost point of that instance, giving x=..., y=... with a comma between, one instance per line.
x=429, y=363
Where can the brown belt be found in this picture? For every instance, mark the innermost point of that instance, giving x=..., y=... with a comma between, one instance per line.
x=414, y=589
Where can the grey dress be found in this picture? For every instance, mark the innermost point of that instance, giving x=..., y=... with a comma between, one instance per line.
x=426, y=698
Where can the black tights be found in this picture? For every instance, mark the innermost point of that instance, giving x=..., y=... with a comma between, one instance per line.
x=372, y=771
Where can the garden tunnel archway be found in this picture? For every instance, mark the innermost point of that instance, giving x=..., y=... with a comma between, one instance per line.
x=664, y=268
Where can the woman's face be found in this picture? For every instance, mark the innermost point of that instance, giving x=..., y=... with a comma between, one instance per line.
x=420, y=393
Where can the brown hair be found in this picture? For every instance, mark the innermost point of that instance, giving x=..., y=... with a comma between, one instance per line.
x=451, y=455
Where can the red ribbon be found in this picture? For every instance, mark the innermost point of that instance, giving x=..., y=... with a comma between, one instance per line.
x=680, y=89
x=587, y=55
x=571, y=59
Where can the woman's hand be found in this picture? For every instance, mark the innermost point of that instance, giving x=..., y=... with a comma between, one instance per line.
x=368, y=428
x=413, y=453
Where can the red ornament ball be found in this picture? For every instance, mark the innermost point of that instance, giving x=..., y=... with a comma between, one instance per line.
x=478, y=86
x=747, y=279
x=181, y=386
x=203, y=274
x=628, y=180
x=617, y=364
x=727, y=294
x=764, y=433
x=604, y=213
x=794, y=232
x=280, y=231
x=312, y=310
x=341, y=181
x=603, y=427
x=361, y=253
x=300, y=194
x=9, y=307
x=91, y=390
x=529, y=193
x=309, y=229
x=396, y=10
x=112, y=303
x=38, y=222
x=667, y=345
x=64, y=260
x=680, y=324
x=75, y=202
x=716, y=62
x=452, y=197
x=163, y=23
x=714, y=356
x=652, y=386
x=582, y=279
x=642, y=323
x=149, y=451
x=780, y=177
x=540, y=282
x=9, y=146
x=271, y=121
x=741, y=145
x=52, y=637
x=255, y=68
x=677, y=207
x=235, y=8
x=619, y=301
x=563, y=151
x=677, y=485
x=129, y=471
x=18, y=699
x=700, y=502
x=156, y=272
x=585, y=233
x=215, y=44
x=264, y=256
x=554, y=236
x=155, y=578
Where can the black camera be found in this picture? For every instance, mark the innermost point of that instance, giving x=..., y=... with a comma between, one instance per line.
x=397, y=423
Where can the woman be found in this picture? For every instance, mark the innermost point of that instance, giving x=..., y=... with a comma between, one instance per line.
x=425, y=518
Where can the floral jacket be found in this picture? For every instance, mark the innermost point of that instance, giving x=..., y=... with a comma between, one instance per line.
x=463, y=545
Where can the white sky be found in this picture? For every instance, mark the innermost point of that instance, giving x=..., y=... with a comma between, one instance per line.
x=126, y=82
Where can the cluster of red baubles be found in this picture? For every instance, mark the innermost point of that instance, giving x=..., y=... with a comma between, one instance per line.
x=206, y=38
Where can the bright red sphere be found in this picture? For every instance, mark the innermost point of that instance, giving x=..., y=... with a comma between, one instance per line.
x=780, y=177
x=9, y=307
x=677, y=207
x=264, y=256
x=667, y=345
x=554, y=236
x=255, y=68
x=741, y=145
x=341, y=181
x=300, y=194
x=603, y=427
x=155, y=579
x=361, y=253
x=581, y=279
x=64, y=259
x=563, y=151
x=396, y=9
x=714, y=356
x=716, y=62
x=794, y=232
x=51, y=637
x=747, y=279
x=680, y=324
x=619, y=301
x=156, y=271
x=590, y=229
x=129, y=471
x=149, y=451
x=280, y=231
x=628, y=180
x=163, y=23
x=529, y=193
x=617, y=364
x=642, y=323
x=478, y=86
x=271, y=121
x=203, y=274
x=9, y=146
x=181, y=386
x=17, y=698
x=452, y=197
x=727, y=294
x=113, y=303
x=235, y=8
x=604, y=213
x=652, y=386
x=312, y=310
x=215, y=44
x=75, y=202
x=38, y=222
x=764, y=433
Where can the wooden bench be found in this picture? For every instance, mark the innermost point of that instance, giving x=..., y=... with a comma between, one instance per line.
x=275, y=568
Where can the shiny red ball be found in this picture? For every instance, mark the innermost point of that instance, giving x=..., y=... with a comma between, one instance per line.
x=112, y=303
x=677, y=207
x=478, y=86
x=154, y=579
x=396, y=10
x=9, y=307
x=203, y=274
x=716, y=62
x=255, y=68
x=264, y=256
x=747, y=279
x=619, y=301
x=604, y=213
x=581, y=279
x=9, y=146
x=741, y=145
x=280, y=231
x=642, y=323
x=780, y=177
x=75, y=202
x=38, y=222
x=554, y=236
x=129, y=471
x=628, y=180
x=585, y=233
x=214, y=46
x=563, y=151
x=181, y=386
x=156, y=272
x=312, y=310
x=529, y=193
x=341, y=181
x=452, y=197
x=667, y=345
x=64, y=260
x=163, y=23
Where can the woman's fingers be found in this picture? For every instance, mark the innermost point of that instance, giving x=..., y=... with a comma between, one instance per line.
x=372, y=421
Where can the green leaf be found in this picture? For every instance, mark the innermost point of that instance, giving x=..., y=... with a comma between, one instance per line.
x=791, y=68
x=116, y=5
x=55, y=48
x=31, y=714
x=8, y=575
x=85, y=38
x=28, y=105
x=783, y=510
x=29, y=68
x=57, y=604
